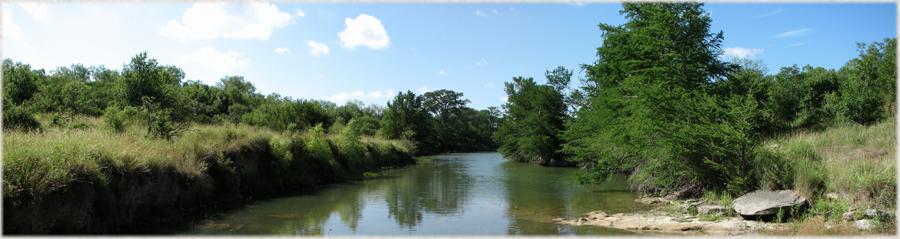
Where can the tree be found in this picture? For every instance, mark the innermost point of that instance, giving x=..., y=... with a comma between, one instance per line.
x=447, y=110
x=155, y=90
x=867, y=93
x=407, y=118
x=19, y=82
x=238, y=97
x=653, y=114
x=535, y=115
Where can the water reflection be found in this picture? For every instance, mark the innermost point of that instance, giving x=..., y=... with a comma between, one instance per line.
x=439, y=189
x=462, y=194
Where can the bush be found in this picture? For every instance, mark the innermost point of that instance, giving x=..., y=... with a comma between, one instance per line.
x=772, y=170
x=19, y=117
x=115, y=119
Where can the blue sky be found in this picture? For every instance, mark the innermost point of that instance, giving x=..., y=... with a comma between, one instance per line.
x=369, y=52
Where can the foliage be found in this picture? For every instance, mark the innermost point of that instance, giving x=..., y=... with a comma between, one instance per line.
x=535, y=115
x=19, y=117
x=654, y=113
x=19, y=82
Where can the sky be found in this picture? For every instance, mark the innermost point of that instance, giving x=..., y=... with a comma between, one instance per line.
x=369, y=52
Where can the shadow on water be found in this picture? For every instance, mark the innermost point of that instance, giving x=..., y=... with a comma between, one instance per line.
x=459, y=194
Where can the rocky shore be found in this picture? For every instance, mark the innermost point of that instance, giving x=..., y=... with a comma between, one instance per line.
x=658, y=221
x=758, y=212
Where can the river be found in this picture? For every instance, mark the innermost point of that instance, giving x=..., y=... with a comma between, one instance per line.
x=458, y=194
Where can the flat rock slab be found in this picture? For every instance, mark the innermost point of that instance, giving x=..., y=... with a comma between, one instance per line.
x=767, y=203
x=659, y=222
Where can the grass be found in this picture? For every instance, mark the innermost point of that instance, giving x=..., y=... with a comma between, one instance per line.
x=855, y=164
x=856, y=161
x=56, y=179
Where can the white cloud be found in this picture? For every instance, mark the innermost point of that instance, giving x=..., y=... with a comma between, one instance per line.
x=376, y=96
x=740, y=52
x=282, y=50
x=299, y=13
x=37, y=10
x=442, y=72
x=423, y=90
x=480, y=13
x=209, y=64
x=364, y=30
x=317, y=49
x=206, y=20
x=504, y=99
x=770, y=13
x=797, y=44
x=488, y=85
x=10, y=29
x=793, y=33
x=481, y=62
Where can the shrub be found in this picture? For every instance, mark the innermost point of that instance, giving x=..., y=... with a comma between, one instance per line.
x=318, y=146
x=114, y=119
x=19, y=117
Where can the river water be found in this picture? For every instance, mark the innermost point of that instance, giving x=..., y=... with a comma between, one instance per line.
x=458, y=194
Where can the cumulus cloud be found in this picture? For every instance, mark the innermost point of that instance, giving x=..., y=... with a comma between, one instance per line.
x=376, y=96
x=282, y=50
x=208, y=64
x=793, y=33
x=10, y=29
x=504, y=99
x=37, y=10
x=213, y=20
x=364, y=30
x=740, y=52
x=442, y=72
x=299, y=13
x=317, y=49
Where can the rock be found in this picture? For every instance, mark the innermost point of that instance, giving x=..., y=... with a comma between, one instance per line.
x=653, y=200
x=660, y=222
x=765, y=203
x=864, y=224
x=871, y=213
x=711, y=209
x=848, y=216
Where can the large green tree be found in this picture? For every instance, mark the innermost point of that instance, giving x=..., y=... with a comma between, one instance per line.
x=535, y=116
x=652, y=114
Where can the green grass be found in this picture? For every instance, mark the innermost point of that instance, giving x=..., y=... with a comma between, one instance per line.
x=218, y=161
x=856, y=161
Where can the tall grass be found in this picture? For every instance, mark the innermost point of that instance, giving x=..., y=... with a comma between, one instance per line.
x=854, y=162
x=95, y=178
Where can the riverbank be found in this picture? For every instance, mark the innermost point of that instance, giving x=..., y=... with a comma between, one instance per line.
x=80, y=178
x=847, y=174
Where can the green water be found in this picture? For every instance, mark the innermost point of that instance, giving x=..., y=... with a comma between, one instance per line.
x=459, y=194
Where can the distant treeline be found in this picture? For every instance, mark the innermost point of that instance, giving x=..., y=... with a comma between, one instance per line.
x=661, y=105
x=158, y=97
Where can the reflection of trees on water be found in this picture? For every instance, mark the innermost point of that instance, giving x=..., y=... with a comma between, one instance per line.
x=536, y=195
x=440, y=189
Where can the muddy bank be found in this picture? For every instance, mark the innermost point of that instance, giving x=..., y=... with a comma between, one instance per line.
x=162, y=199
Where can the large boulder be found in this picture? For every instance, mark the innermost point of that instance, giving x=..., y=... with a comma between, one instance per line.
x=765, y=204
